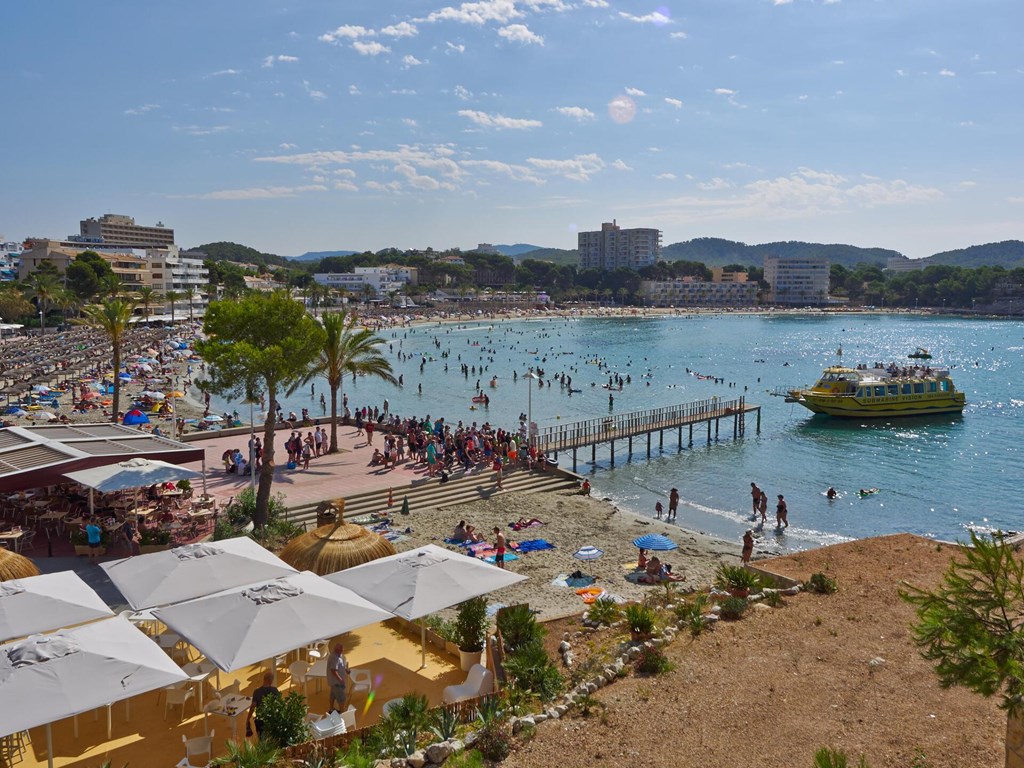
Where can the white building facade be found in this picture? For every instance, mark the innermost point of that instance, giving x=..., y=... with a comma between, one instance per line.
x=383, y=280
x=797, y=280
x=612, y=247
x=688, y=292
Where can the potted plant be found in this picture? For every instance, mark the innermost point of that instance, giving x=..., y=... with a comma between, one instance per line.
x=471, y=631
x=153, y=540
x=640, y=619
x=81, y=543
x=737, y=580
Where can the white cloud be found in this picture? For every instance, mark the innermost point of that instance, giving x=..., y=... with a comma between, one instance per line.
x=666, y=177
x=674, y=102
x=968, y=184
x=453, y=48
x=281, y=57
x=802, y=97
x=1015, y=200
x=520, y=33
x=725, y=91
x=410, y=122
x=781, y=2
x=394, y=186
x=136, y=111
x=346, y=31
x=199, y=130
x=513, y=171
x=463, y=93
x=313, y=93
x=346, y=186
x=372, y=48
x=255, y=193
x=485, y=120
x=410, y=61
x=596, y=3
x=353, y=90
x=478, y=13
x=577, y=113
x=578, y=168
x=715, y=183
x=403, y=29
x=620, y=165
x=654, y=17
x=947, y=73
x=678, y=35
x=286, y=146
x=635, y=92
x=221, y=72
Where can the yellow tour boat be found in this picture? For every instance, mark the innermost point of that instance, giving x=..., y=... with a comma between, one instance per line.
x=864, y=392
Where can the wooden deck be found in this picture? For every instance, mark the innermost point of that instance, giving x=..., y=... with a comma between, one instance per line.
x=626, y=426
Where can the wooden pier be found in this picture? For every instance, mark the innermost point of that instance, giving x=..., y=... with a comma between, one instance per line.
x=626, y=426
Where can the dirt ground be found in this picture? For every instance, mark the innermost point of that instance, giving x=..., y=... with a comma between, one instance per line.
x=769, y=690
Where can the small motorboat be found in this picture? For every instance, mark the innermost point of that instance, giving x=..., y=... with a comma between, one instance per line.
x=920, y=354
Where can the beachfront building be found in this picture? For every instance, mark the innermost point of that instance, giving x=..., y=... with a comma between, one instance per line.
x=113, y=229
x=797, y=280
x=612, y=247
x=382, y=280
x=131, y=268
x=691, y=292
x=10, y=259
x=176, y=270
x=903, y=264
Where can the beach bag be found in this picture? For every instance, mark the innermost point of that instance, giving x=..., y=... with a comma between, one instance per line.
x=292, y=465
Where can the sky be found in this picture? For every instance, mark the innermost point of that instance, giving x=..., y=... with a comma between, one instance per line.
x=361, y=124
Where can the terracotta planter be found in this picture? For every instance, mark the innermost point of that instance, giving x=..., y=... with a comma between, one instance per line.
x=739, y=592
x=85, y=549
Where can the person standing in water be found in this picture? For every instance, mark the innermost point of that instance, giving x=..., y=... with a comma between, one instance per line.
x=781, y=513
x=673, y=504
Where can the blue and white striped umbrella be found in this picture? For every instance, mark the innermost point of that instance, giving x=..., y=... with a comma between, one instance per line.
x=656, y=542
x=588, y=553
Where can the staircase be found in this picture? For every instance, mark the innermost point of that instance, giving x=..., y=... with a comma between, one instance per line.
x=428, y=493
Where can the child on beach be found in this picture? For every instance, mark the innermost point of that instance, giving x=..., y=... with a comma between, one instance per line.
x=658, y=509
x=748, y=546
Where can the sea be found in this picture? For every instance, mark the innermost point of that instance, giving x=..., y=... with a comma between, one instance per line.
x=938, y=476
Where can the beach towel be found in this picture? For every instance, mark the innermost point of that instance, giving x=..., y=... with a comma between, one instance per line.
x=590, y=594
x=578, y=582
x=535, y=545
x=369, y=519
x=560, y=580
x=531, y=524
x=509, y=557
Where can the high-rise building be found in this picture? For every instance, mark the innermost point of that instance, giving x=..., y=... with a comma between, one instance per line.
x=122, y=231
x=797, y=280
x=613, y=247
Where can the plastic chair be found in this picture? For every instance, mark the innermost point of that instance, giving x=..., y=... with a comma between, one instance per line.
x=299, y=671
x=200, y=745
x=178, y=697
x=349, y=718
x=480, y=681
x=362, y=681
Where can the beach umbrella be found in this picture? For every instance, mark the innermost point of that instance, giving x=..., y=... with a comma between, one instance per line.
x=41, y=603
x=588, y=553
x=152, y=395
x=132, y=473
x=175, y=393
x=134, y=417
x=655, y=542
x=55, y=676
x=41, y=388
x=43, y=415
x=15, y=566
x=335, y=547
x=405, y=505
x=193, y=570
x=213, y=418
x=124, y=376
x=422, y=581
x=248, y=624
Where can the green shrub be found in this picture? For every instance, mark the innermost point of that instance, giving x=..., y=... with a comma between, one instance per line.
x=409, y=716
x=494, y=739
x=471, y=625
x=604, y=611
x=356, y=755
x=153, y=537
x=821, y=584
x=587, y=703
x=531, y=669
x=284, y=719
x=736, y=577
x=518, y=627
x=444, y=722
x=693, y=614
x=250, y=754
x=774, y=599
x=733, y=608
x=653, y=661
x=443, y=628
x=835, y=758
x=640, y=618
x=471, y=758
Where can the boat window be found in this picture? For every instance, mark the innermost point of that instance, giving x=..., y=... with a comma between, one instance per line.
x=860, y=391
x=894, y=389
x=944, y=384
x=931, y=386
x=919, y=388
x=907, y=389
x=879, y=391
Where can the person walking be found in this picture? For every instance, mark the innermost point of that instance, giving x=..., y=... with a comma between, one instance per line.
x=673, y=504
x=781, y=513
x=755, y=498
x=499, y=547
x=337, y=678
x=267, y=689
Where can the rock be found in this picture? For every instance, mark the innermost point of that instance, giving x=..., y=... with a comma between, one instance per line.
x=561, y=709
x=634, y=653
x=591, y=688
x=398, y=762
x=438, y=753
x=716, y=609
x=610, y=675
x=658, y=642
x=755, y=598
x=416, y=759
x=470, y=740
x=710, y=618
x=564, y=646
x=540, y=717
x=457, y=746
x=527, y=721
x=565, y=636
x=876, y=662
x=553, y=714
x=568, y=658
x=792, y=590
x=761, y=607
x=619, y=664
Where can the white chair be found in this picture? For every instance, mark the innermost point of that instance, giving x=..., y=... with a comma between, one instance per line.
x=178, y=697
x=349, y=718
x=361, y=681
x=316, y=651
x=330, y=724
x=200, y=745
x=299, y=671
x=479, y=682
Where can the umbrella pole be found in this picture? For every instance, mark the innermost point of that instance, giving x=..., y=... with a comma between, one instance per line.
x=49, y=745
x=204, y=473
x=423, y=645
x=91, y=503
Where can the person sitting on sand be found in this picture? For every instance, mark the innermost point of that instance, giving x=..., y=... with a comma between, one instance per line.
x=641, y=560
x=377, y=459
x=460, y=534
x=472, y=535
x=522, y=522
x=585, y=488
x=653, y=571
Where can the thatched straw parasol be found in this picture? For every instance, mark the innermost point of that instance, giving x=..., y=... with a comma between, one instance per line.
x=335, y=547
x=14, y=566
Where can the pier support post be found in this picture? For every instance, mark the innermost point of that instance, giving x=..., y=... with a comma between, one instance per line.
x=691, y=435
x=593, y=453
x=759, y=420
x=717, y=420
x=709, y=431
x=573, y=459
x=661, y=439
x=648, y=445
x=681, y=436
x=735, y=427
x=613, y=453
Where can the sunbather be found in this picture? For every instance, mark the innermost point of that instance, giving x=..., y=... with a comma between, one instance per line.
x=459, y=534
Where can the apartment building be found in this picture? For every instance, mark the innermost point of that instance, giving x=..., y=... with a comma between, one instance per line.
x=797, y=280
x=121, y=231
x=180, y=271
x=383, y=280
x=690, y=292
x=612, y=247
x=131, y=268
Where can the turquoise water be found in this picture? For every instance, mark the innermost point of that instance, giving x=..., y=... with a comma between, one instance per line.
x=936, y=476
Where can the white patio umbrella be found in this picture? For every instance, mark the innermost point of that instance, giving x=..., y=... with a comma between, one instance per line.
x=132, y=473
x=41, y=603
x=422, y=581
x=245, y=626
x=50, y=677
x=194, y=570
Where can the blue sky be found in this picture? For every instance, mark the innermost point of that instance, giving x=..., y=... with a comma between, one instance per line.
x=364, y=124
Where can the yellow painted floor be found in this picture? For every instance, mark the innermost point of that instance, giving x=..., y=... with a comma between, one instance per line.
x=147, y=740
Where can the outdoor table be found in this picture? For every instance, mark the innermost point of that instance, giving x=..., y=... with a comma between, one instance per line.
x=389, y=705
x=109, y=708
x=14, y=537
x=230, y=707
x=198, y=673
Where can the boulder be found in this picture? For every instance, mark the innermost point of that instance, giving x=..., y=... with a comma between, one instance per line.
x=417, y=759
x=457, y=746
x=564, y=647
x=438, y=753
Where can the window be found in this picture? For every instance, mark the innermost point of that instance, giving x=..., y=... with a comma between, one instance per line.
x=944, y=385
x=907, y=388
x=894, y=389
x=919, y=388
x=879, y=391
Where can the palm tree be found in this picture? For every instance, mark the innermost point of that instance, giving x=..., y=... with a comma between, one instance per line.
x=111, y=286
x=44, y=288
x=172, y=297
x=250, y=754
x=348, y=349
x=189, y=294
x=148, y=295
x=113, y=317
x=68, y=301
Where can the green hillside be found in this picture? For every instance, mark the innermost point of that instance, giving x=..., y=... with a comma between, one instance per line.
x=559, y=256
x=243, y=254
x=1008, y=254
x=716, y=252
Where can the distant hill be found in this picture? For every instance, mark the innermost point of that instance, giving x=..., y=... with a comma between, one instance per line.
x=558, y=256
x=716, y=252
x=318, y=255
x=515, y=251
x=1008, y=254
x=243, y=254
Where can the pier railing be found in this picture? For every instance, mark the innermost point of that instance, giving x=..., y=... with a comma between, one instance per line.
x=562, y=437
